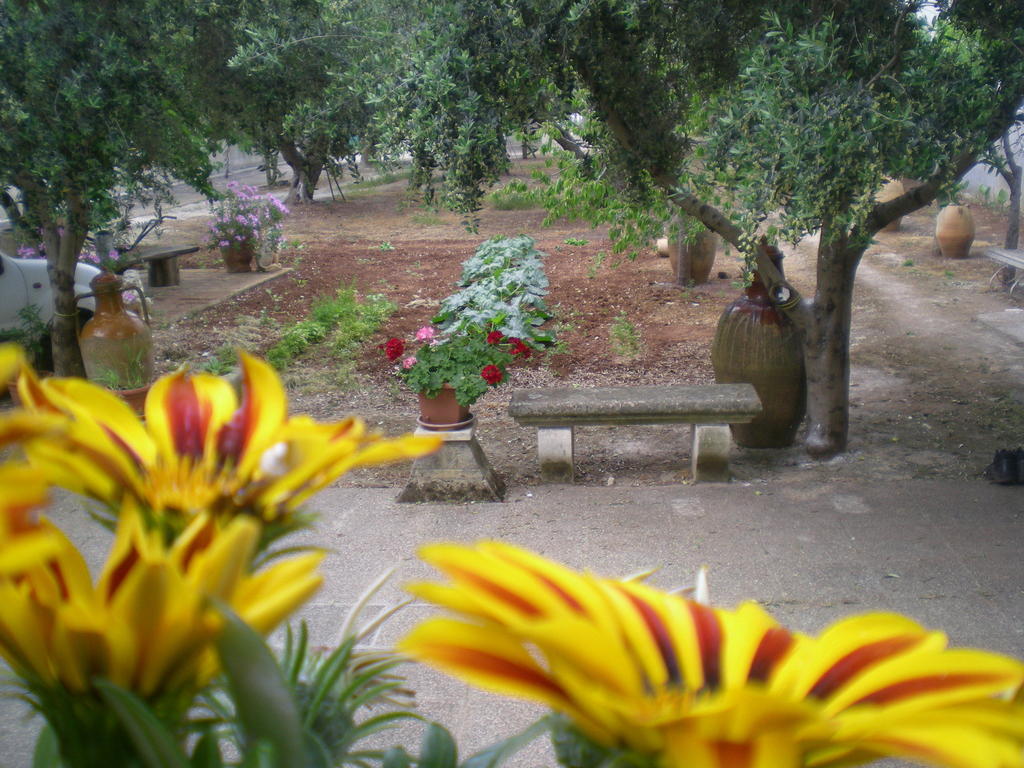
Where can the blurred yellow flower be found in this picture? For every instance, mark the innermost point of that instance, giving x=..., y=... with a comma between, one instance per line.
x=202, y=448
x=147, y=623
x=695, y=686
x=23, y=540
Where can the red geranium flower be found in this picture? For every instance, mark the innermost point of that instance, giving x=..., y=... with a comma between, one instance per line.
x=519, y=348
x=492, y=374
x=394, y=348
x=494, y=337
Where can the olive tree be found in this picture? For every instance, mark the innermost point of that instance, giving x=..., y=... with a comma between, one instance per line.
x=296, y=81
x=94, y=101
x=779, y=120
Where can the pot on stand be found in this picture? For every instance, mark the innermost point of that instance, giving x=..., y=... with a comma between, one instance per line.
x=758, y=344
x=443, y=413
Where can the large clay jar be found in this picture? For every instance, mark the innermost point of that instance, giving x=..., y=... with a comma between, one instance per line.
x=758, y=344
x=239, y=256
x=702, y=257
x=443, y=412
x=117, y=346
x=954, y=231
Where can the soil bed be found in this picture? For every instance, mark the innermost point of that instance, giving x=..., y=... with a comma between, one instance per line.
x=380, y=243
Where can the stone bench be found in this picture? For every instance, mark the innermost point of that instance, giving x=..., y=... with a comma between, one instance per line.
x=709, y=407
x=1007, y=257
x=162, y=262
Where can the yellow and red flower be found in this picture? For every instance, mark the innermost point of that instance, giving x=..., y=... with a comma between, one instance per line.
x=695, y=686
x=147, y=623
x=203, y=448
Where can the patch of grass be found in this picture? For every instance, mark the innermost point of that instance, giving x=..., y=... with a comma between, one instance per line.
x=575, y=241
x=385, y=246
x=625, y=340
x=595, y=264
x=427, y=219
x=908, y=263
x=345, y=321
x=247, y=334
x=513, y=197
x=381, y=180
x=223, y=361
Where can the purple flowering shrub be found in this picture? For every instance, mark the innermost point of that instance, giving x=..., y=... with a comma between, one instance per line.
x=242, y=215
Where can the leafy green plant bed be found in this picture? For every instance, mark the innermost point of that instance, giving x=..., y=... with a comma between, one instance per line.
x=345, y=321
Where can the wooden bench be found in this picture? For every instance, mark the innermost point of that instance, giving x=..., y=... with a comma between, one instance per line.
x=709, y=407
x=1007, y=257
x=162, y=262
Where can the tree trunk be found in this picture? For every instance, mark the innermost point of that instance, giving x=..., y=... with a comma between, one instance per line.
x=305, y=173
x=1013, y=178
x=61, y=258
x=679, y=254
x=826, y=334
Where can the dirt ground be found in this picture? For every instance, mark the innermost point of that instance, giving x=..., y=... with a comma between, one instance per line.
x=934, y=391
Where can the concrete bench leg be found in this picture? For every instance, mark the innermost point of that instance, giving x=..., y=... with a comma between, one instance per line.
x=555, y=451
x=709, y=454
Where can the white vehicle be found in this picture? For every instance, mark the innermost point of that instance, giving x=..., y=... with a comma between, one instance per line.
x=24, y=282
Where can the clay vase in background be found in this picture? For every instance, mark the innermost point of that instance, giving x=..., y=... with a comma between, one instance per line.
x=757, y=344
x=954, y=231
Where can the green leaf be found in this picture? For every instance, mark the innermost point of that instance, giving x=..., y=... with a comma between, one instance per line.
x=327, y=676
x=206, y=753
x=396, y=757
x=263, y=701
x=438, y=749
x=47, y=751
x=496, y=754
x=152, y=740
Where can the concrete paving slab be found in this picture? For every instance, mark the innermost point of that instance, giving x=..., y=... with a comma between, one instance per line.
x=1009, y=322
x=203, y=288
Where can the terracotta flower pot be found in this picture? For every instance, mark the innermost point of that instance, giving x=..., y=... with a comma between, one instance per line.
x=954, y=231
x=136, y=398
x=702, y=257
x=443, y=413
x=239, y=257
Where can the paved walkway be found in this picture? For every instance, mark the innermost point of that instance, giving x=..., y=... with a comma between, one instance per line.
x=945, y=553
x=203, y=288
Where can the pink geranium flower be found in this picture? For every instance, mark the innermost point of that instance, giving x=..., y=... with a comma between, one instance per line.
x=409, y=362
x=426, y=333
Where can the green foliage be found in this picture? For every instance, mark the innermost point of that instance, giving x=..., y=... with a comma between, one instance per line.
x=223, y=361
x=297, y=79
x=514, y=197
x=385, y=246
x=33, y=335
x=344, y=318
x=625, y=340
x=575, y=241
x=502, y=287
x=595, y=264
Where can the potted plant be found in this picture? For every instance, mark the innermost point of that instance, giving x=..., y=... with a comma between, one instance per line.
x=246, y=226
x=451, y=371
x=495, y=317
x=130, y=379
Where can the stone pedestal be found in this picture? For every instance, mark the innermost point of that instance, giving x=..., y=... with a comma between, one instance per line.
x=709, y=454
x=457, y=472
